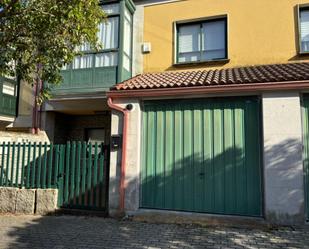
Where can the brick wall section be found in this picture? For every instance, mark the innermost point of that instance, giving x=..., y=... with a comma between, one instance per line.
x=73, y=127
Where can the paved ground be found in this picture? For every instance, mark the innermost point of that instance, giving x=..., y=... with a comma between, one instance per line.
x=88, y=232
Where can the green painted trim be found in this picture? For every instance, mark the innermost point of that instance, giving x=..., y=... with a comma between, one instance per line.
x=300, y=7
x=121, y=41
x=131, y=6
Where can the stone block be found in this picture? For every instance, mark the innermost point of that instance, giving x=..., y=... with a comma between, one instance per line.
x=46, y=201
x=25, y=201
x=8, y=199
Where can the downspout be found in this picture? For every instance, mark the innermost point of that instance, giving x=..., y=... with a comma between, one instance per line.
x=124, y=151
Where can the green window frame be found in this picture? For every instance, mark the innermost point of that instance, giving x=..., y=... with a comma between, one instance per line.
x=303, y=28
x=93, y=55
x=207, y=48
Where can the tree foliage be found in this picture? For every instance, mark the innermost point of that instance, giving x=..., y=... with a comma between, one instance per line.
x=38, y=37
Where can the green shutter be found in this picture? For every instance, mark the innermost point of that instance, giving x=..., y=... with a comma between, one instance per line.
x=202, y=155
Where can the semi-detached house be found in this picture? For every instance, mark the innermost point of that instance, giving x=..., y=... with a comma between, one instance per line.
x=210, y=111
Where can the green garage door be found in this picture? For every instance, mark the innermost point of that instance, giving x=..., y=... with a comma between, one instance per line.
x=202, y=155
x=306, y=149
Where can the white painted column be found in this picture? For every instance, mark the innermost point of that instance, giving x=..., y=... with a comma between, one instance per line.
x=283, y=167
x=133, y=158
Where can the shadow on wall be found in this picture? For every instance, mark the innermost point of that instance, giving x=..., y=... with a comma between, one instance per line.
x=184, y=183
x=284, y=181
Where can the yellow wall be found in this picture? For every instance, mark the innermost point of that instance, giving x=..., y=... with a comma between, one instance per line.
x=259, y=31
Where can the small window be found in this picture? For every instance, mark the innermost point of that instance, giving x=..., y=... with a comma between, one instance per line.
x=201, y=41
x=304, y=29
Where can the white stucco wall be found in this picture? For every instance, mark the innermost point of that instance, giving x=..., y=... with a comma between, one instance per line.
x=283, y=167
x=133, y=158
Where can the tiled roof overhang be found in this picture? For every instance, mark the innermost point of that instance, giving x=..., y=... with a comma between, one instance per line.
x=290, y=76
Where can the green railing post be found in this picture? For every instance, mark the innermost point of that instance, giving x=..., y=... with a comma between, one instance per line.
x=89, y=173
x=60, y=158
x=17, y=165
x=33, y=170
x=67, y=173
x=50, y=166
x=12, y=164
x=7, y=164
x=84, y=172
x=23, y=166
x=38, y=173
x=28, y=166
x=43, y=178
x=95, y=174
x=2, y=165
x=101, y=173
x=77, y=188
x=72, y=180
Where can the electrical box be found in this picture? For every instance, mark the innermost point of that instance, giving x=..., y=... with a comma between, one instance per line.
x=146, y=47
x=116, y=142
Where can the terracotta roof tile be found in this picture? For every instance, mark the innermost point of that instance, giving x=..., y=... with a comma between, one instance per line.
x=241, y=75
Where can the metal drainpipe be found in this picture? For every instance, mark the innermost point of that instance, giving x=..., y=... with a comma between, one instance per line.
x=123, y=149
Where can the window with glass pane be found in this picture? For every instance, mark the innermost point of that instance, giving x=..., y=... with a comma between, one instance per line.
x=108, y=33
x=202, y=41
x=304, y=30
x=84, y=61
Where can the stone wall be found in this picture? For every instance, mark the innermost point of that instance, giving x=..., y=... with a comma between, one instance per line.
x=28, y=201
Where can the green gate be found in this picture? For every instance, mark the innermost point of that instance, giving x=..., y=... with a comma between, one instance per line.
x=305, y=119
x=202, y=155
x=79, y=170
x=83, y=179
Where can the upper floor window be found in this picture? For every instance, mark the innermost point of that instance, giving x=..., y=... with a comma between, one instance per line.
x=304, y=29
x=108, y=36
x=201, y=41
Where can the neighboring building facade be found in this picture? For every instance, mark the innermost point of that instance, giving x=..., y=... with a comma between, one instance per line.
x=78, y=108
x=8, y=100
x=206, y=136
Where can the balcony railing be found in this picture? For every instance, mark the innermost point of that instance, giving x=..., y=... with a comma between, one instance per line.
x=87, y=80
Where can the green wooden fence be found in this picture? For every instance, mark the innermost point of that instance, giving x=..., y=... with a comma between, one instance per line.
x=77, y=169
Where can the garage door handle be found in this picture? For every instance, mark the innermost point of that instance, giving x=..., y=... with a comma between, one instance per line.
x=202, y=174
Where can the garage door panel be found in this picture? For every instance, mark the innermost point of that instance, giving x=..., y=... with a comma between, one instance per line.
x=201, y=156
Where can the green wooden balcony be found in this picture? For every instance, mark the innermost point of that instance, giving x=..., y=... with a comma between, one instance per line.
x=87, y=80
x=8, y=98
x=97, y=71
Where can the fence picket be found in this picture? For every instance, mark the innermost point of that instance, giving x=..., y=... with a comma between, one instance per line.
x=2, y=164
x=7, y=165
x=60, y=151
x=17, y=165
x=72, y=174
x=95, y=174
x=33, y=169
x=67, y=168
x=38, y=175
x=77, y=188
x=12, y=165
x=43, y=175
x=89, y=173
x=28, y=166
x=84, y=172
x=50, y=166
x=22, y=176
x=101, y=166
x=77, y=169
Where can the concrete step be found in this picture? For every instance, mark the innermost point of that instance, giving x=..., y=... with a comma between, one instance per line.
x=201, y=219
